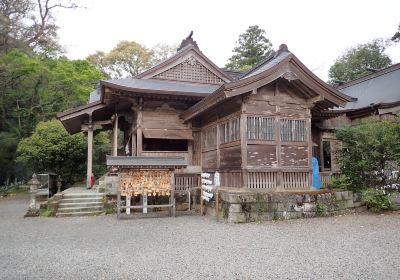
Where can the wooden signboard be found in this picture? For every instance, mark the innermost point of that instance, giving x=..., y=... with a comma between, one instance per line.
x=146, y=183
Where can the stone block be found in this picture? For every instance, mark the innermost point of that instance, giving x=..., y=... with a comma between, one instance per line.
x=237, y=218
x=307, y=198
x=235, y=208
x=338, y=196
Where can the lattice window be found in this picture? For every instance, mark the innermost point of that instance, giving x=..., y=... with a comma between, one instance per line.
x=209, y=137
x=230, y=131
x=260, y=128
x=190, y=70
x=293, y=130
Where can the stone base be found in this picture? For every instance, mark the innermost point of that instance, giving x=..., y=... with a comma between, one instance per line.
x=243, y=207
x=32, y=213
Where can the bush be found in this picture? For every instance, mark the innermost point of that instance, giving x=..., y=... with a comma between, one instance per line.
x=370, y=152
x=341, y=183
x=377, y=200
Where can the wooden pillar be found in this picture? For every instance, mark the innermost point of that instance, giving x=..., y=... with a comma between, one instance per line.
x=279, y=177
x=310, y=149
x=139, y=133
x=243, y=144
x=89, y=153
x=115, y=137
x=190, y=148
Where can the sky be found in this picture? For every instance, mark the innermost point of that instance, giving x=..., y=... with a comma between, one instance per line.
x=317, y=32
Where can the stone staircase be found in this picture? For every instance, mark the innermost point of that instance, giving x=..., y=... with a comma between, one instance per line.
x=80, y=204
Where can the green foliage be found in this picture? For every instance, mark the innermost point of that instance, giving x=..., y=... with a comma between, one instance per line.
x=52, y=148
x=341, y=183
x=34, y=89
x=321, y=209
x=355, y=62
x=369, y=151
x=30, y=25
x=47, y=213
x=129, y=59
x=252, y=48
x=377, y=200
x=396, y=36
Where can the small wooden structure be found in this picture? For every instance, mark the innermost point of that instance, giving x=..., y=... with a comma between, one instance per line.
x=258, y=130
x=144, y=177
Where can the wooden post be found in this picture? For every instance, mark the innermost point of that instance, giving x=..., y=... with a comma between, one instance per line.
x=243, y=144
x=128, y=204
x=118, y=199
x=115, y=138
x=145, y=203
x=217, y=204
x=310, y=147
x=89, y=153
x=139, y=135
x=279, y=177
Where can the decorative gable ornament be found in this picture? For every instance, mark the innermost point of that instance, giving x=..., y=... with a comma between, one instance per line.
x=190, y=70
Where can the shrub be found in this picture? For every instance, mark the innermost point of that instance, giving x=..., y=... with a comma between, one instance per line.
x=377, y=200
x=370, y=152
x=321, y=210
x=341, y=183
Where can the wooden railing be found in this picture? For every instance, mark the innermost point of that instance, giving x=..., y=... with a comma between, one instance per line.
x=262, y=180
x=327, y=177
x=295, y=180
x=232, y=179
x=183, y=182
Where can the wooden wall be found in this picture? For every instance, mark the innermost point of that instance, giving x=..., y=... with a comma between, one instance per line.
x=255, y=159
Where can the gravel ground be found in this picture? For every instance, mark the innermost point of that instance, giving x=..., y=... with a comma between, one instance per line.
x=348, y=247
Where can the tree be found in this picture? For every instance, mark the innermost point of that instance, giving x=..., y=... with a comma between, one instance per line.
x=359, y=61
x=161, y=52
x=252, y=48
x=370, y=151
x=129, y=59
x=34, y=89
x=52, y=148
x=30, y=24
x=396, y=36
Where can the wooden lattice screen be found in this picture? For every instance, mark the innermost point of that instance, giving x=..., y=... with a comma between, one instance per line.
x=190, y=70
x=293, y=130
x=260, y=128
x=230, y=131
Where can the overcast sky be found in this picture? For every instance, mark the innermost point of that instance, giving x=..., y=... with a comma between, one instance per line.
x=315, y=31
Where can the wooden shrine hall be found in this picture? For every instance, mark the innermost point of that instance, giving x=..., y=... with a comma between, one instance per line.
x=257, y=129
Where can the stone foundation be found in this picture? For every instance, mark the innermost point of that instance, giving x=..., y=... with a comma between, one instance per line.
x=246, y=207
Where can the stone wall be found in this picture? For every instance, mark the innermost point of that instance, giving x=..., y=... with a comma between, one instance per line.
x=257, y=207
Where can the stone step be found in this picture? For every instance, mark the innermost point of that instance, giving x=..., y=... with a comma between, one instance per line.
x=80, y=209
x=78, y=214
x=82, y=195
x=64, y=204
x=82, y=200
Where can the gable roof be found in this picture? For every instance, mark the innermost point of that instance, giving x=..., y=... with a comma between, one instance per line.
x=281, y=64
x=381, y=87
x=180, y=56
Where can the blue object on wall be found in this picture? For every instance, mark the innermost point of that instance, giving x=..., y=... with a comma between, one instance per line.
x=316, y=177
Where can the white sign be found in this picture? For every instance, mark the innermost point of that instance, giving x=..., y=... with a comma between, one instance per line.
x=217, y=182
x=206, y=185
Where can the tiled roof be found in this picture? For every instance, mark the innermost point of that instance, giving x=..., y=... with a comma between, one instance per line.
x=146, y=161
x=161, y=85
x=380, y=87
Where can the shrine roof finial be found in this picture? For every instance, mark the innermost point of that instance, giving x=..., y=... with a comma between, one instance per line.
x=188, y=41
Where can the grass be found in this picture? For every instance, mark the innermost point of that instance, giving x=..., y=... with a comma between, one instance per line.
x=8, y=190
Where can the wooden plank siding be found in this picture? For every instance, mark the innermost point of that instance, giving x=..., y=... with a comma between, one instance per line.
x=265, y=143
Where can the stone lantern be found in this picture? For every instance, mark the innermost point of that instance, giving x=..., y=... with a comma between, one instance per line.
x=59, y=184
x=33, y=184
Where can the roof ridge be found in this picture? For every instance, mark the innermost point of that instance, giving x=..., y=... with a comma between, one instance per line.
x=282, y=48
x=370, y=76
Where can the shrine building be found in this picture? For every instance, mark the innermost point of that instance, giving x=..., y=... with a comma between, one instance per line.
x=258, y=129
